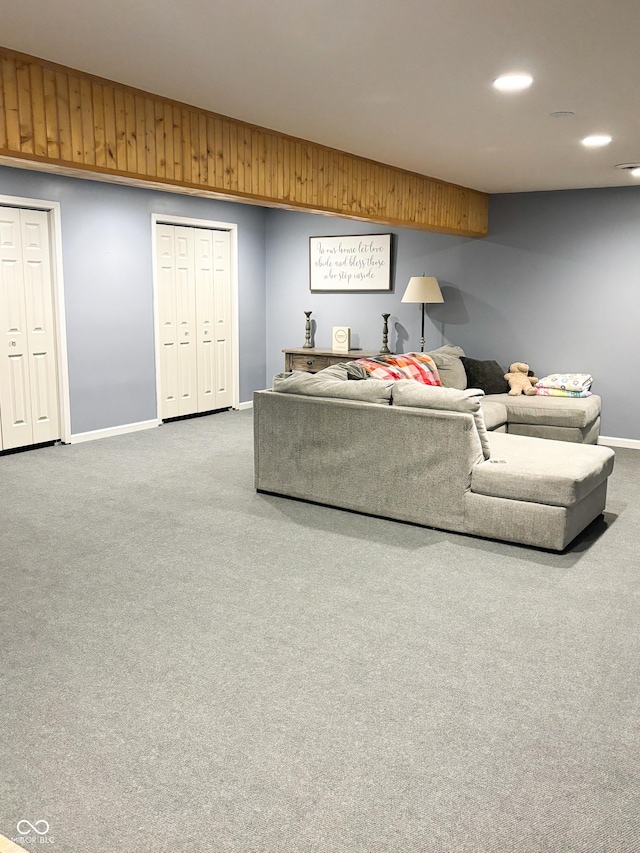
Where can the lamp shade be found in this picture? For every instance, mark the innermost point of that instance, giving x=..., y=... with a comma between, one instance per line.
x=423, y=288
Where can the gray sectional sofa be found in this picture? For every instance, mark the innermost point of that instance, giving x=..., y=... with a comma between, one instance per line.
x=420, y=454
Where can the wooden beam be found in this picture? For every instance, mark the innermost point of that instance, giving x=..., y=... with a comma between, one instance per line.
x=58, y=116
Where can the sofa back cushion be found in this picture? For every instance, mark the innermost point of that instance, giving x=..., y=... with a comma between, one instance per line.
x=319, y=385
x=450, y=367
x=408, y=393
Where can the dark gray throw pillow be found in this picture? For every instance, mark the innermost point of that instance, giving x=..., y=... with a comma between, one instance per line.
x=487, y=375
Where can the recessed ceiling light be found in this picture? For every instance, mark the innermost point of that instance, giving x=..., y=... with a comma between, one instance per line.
x=633, y=167
x=596, y=141
x=513, y=82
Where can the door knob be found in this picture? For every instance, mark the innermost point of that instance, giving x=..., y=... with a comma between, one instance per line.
x=12, y=344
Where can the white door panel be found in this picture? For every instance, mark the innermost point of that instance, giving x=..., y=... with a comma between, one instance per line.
x=16, y=410
x=14, y=318
x=222, y=299
x=170, y=392
x=222, y=369
x=43, y=377
x=205, y=319
x=15, y=413
x=42, y=406
x=186, y=319
x=214, y=308
x=165, y=265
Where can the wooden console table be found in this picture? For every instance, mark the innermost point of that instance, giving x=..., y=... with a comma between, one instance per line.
x=313, y=360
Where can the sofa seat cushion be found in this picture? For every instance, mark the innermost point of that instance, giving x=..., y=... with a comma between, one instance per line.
x=495, y=414
x=552, y=411
x=540, y=471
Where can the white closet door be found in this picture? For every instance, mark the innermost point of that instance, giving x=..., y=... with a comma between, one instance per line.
x=213, y=293
x=29, y=407
x=194, y=304
x=177, y=309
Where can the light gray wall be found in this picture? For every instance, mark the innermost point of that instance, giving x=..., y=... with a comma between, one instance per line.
x=106, y=241
x=288, y=294
x=556, y=284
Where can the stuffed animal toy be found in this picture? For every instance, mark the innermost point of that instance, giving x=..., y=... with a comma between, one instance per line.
x=521, y=380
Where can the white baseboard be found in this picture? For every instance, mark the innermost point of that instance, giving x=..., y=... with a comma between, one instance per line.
x=610, y=441
x=111, y=431
x=241, y=406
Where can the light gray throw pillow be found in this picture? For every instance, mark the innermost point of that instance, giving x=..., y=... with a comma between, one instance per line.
x=450, y=368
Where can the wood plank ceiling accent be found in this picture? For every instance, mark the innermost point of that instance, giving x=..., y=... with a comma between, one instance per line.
x=54, y=115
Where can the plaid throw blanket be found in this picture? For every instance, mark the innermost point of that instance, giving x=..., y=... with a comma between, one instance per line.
x=412, y=365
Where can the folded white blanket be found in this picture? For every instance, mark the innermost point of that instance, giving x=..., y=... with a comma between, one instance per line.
x=567, y=381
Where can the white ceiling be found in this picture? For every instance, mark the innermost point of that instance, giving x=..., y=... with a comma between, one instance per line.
x=406, y=83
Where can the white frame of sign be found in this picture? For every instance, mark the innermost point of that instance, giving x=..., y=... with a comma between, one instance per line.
x=350, y=263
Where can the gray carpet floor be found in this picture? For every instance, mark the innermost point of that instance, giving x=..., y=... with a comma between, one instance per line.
x=188, y=665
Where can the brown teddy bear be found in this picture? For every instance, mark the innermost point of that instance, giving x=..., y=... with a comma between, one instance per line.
x=521, y=380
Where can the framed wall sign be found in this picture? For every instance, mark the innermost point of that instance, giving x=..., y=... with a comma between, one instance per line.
x=361, y=262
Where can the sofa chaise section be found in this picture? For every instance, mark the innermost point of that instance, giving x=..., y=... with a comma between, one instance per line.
x=543, y=498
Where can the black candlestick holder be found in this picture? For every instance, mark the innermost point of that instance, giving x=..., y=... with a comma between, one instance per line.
x=307, y=331
x=385, y=335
